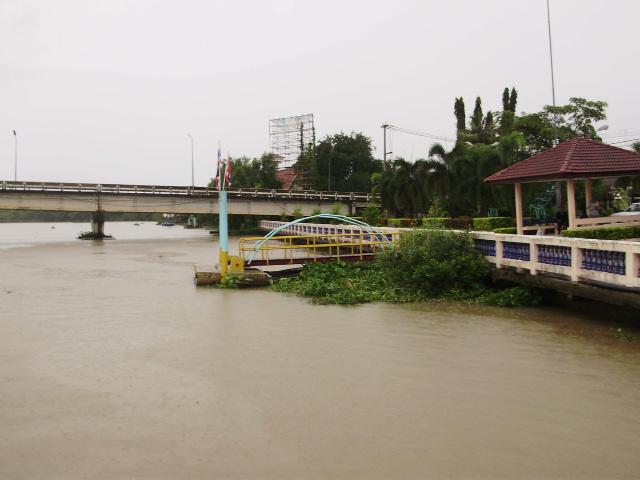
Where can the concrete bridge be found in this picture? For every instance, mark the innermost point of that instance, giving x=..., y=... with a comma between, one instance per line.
x=101, y=198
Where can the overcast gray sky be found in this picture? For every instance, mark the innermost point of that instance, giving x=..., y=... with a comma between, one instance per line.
x=106, y=91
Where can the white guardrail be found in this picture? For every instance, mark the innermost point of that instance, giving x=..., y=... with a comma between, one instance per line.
x=612, y=262
x=55, y=187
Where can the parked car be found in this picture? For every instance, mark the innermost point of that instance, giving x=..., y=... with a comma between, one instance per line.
x=634, y=209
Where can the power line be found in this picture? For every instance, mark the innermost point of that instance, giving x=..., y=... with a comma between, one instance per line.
x=420, y=134
x=625, y=141
x=620, y=134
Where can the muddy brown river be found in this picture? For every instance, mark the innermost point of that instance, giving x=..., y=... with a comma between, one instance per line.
x=115, y=366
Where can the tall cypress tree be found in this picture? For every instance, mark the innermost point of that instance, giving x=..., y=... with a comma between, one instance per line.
x=505, y=99
x=476, y=119
x=458, y=109
x=513, y=100
x=507, y=117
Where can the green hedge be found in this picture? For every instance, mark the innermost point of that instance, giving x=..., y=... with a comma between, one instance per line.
x=489, y=224
x=611, y=233
x=458, y=223
x=507, y=230
x=405, y=222
x=453, y=223
x=433, y=222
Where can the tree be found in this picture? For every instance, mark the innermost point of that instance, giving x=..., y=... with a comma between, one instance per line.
x=493, y=142
x=345, y=163
x=254, y=173
x=506, y=118
x=442, y=175
x=513, y=100
x=573, y=120
x=402, y=188
x=481, y=127
x=306, y=166
x=461, y=118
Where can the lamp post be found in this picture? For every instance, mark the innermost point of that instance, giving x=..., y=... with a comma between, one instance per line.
x=333, y=147
x=15, y=171
x=193, y=184
x=602, y=128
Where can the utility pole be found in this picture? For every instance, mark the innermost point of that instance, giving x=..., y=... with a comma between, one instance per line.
x=384, y=146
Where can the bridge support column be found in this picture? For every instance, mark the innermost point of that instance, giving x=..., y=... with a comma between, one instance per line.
x=97, y=224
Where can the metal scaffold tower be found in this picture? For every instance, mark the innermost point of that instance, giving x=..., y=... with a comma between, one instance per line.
x=289, y=135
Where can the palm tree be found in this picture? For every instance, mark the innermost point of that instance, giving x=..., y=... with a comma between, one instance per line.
x=479, y=162
x=402, y=188
x=442, y=174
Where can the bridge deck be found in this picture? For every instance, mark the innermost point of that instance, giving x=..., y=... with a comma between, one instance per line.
x=83, y=197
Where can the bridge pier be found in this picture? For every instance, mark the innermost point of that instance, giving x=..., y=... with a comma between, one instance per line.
x=97, y=224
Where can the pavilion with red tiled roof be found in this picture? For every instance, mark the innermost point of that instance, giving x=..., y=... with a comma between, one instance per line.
x=579, y=158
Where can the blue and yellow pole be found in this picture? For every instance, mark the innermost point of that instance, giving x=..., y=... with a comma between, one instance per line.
x=224, y=236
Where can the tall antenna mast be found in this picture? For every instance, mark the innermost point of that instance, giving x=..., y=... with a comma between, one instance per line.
x=553, y=85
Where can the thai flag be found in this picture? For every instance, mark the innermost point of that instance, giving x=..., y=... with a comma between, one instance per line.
x=227, y=173
x=218, y=176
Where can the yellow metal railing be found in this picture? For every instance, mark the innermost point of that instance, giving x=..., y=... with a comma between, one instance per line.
x=312, y=248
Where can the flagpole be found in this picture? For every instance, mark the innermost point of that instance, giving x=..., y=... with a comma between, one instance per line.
x=224, y=236
x=223, y=225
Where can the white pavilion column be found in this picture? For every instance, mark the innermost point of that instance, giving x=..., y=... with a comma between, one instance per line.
x=571, y=202
x=519, y=216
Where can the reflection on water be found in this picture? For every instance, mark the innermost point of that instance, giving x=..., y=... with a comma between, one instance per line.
x=115, y=366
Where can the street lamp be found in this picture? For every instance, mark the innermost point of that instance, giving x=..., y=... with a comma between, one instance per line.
x=15, y=171
x=193, y=184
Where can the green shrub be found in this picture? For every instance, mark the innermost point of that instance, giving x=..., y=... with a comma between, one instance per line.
x=405, y=222
x=437, y=210
x=509, y=230
x=458, y=223
x=608, y=233
x=433, y=262
x=490, y=224
x=426, y=264
x=372, y=214
x=452, y=223
x=433, y=222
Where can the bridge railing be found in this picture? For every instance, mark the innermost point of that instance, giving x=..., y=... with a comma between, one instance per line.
x=610, y=262
x=391, y=234
x=291, y=249
x=12, y=186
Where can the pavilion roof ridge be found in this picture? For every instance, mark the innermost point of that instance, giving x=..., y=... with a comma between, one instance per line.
x=566, y=165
